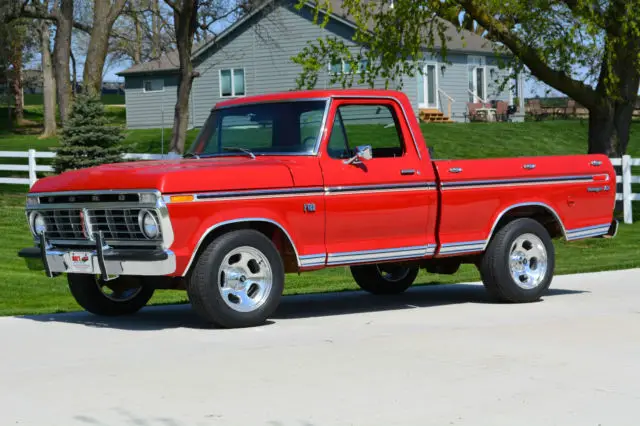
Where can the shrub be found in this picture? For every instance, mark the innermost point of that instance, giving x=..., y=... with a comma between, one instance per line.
x=87, y=140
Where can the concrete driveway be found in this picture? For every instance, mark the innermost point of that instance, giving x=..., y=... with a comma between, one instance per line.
x=433, y=356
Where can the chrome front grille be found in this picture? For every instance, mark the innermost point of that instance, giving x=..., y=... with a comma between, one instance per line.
x=64, y=224
x=119, y=224
x=74, y=218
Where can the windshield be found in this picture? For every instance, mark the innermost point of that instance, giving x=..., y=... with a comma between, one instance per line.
x=261, y=129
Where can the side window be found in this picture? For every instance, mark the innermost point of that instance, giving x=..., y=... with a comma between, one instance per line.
x=375, y=125
x=310, y=123
x=338, y=147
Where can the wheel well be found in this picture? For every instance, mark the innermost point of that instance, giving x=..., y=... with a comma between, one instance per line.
x=542, y=214
x=270, y=230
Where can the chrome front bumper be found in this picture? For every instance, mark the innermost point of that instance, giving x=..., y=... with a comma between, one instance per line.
x=101, y=259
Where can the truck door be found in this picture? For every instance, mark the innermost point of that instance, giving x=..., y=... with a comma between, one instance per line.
x=377, y=209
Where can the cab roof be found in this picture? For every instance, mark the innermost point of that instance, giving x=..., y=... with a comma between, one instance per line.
x=312, y=94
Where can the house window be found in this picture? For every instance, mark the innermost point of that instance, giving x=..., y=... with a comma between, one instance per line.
x=342, y=67
x=232, y=82
x=156, y=85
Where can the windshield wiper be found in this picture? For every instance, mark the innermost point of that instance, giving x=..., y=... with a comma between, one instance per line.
x=238, y=149
x=191, y=154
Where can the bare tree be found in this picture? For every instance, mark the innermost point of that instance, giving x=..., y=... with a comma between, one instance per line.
x=105, y=14
x=189, y=17
x=17, y=46
x=155, y=29
x=63, y=17
x=48, y=81
x=185, y=22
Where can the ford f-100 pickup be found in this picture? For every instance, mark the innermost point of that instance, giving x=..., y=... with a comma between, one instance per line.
x=299, y=181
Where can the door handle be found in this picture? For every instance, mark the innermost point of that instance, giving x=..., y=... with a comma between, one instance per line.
x=405, y=172
x=529, y=166
x=455, y=170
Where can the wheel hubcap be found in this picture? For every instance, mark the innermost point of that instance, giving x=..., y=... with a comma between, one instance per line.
x=392, y=273
x=528, y=261
x=245, y=279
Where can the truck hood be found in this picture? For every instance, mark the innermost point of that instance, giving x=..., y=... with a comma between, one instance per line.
x=172, y=176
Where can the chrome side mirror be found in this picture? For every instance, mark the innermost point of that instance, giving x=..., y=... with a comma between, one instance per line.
x=363, y=152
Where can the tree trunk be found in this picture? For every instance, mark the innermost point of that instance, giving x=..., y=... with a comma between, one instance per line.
x=155, y=24
x=137, y=48
x=185, y=19
x=16, y=83
x=181, y=114
x=74, y=70
x=104, y=16
x=610, y=119
x=62, y=53
x=48, y=83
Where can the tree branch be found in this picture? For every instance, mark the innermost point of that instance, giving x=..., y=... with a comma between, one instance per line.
x=115, y=10
x=530, y=56
x=602, y=22
x=173, y=5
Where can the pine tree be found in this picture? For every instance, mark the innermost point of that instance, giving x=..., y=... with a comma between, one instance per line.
x=86, y=139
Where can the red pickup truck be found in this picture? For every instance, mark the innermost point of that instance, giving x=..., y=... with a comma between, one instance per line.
x=299, y=181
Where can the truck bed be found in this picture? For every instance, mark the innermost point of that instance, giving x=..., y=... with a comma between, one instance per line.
x=475, y=194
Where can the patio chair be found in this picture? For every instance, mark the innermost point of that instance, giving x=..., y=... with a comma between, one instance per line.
x=535, y=109
x=502, y=109
x=472, y=112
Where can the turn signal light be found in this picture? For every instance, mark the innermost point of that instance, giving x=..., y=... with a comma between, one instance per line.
x=181, y=198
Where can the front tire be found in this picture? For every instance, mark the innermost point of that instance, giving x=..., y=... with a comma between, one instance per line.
x=122, y=296
x=384, y=278
x=519, y=262
x=238, y=280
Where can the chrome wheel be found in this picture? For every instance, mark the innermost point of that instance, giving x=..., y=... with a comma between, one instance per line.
x=117, y=293
x=392, y=273
x=245, y=279
x=528, y=261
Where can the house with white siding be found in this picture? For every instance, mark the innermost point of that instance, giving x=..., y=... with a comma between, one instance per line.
x=253, y=56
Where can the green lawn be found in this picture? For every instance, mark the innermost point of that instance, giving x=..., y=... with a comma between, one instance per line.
x=24, y=292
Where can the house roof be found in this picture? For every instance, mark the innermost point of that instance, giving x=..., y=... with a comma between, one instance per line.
x=457, y=40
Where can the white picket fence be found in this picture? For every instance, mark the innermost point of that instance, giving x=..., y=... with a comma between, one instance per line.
x=626, y=162
x=31, y=167
x=627, y=196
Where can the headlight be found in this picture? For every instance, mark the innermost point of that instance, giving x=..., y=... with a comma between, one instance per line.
x=148, y=224
x=38, y=225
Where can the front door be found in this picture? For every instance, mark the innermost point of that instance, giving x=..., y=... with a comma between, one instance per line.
x=429, y=87
x=477, y=84
x=383, y=208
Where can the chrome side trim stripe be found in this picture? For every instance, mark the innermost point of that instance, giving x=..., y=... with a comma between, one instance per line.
x=587, y=232
x=462, y=247
x=313, y=260
x=420, y=186
x=516, y=182
x=378, y=255
x=265, y=193
x=306, y=191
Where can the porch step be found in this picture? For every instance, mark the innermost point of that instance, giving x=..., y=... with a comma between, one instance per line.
x=428, y=115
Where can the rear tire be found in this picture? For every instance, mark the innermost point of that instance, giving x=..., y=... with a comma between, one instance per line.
x=238, y=280
x=122, y=296
x=519, y=262
x=384, y=278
